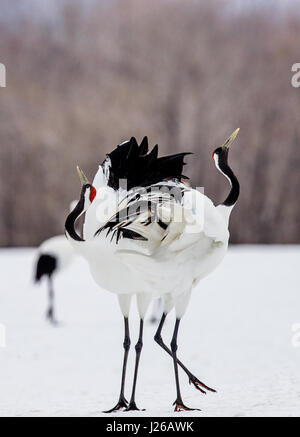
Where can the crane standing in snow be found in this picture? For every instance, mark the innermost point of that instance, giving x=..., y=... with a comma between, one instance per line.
x=54, y=255
x=156, y=237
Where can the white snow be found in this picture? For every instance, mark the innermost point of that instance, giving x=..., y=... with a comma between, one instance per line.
x=237, y=336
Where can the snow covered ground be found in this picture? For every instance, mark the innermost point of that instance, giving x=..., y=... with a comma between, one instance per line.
x=237, y=336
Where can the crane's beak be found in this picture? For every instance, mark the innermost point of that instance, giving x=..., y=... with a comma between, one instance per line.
x=84, y=180
x=231, y=139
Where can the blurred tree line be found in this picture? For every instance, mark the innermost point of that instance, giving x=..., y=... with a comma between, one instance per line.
x=185, y=73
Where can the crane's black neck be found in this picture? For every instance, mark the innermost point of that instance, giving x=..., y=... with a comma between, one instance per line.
x=226, y=170
x=74, y=215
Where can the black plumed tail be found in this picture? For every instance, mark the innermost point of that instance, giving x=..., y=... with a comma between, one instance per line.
x=46, y=265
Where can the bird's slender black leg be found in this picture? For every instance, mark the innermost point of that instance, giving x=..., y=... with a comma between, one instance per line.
x=192, y=378
x=179, y=405
x=50, y=312
x=138, y=348
x=122, y=403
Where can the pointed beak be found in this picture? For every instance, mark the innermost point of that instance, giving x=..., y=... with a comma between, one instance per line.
x=231, y=139
x=83, y=179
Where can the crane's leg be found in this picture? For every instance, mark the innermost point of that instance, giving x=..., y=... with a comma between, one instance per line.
x=179, y=405
x=124, y=302
x=50, y=315
x=158, y=338
x=138, y=348
x=143, y=301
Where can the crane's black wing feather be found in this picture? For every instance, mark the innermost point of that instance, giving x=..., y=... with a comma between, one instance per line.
x=140, y=168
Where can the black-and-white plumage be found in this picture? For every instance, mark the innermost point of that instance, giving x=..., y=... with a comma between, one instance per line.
x=153, y=236
x=137, y=166
x=54, y=255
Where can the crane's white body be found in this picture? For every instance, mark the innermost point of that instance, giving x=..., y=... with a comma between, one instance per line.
x=170, y=263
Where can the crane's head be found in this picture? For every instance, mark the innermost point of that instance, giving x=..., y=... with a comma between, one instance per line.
x=220, y=156
x=222, y=152
x=88, y=192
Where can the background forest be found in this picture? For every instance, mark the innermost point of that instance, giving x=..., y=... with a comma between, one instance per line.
x=83, y=77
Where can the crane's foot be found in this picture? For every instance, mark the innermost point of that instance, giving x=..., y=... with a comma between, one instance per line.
x=179, y=406
x=200, y=385
x=132, y=407
x=51, y=318
x=121, y=406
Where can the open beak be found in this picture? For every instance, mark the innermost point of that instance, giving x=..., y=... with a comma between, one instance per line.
x=83, y=179
x=231, y=139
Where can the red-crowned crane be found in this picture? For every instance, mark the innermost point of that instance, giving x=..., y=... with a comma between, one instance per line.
x=153, y=237
x=54, y=255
